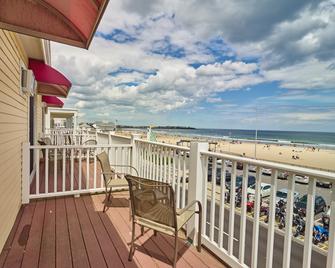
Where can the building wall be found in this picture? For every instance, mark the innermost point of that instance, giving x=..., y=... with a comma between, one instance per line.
x=13, y=130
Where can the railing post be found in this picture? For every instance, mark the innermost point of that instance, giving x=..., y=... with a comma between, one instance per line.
x=133, y=160
x=110, y=138
x=195, y=184
x=25, y=182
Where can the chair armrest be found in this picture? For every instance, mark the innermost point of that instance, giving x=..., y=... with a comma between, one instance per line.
x=189, y=206
x=133, y=168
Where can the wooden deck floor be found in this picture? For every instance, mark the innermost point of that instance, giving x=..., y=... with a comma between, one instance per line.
x=73, y=232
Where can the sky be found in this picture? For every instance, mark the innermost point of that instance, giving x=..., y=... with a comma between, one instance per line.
x=241, y=64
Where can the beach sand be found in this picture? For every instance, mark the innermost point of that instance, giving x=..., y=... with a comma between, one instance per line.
x=301, y=156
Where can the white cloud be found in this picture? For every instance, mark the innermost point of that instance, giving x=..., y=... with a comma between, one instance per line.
x=289, y=42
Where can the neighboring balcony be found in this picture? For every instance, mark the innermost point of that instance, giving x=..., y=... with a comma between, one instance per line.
x=233, y=232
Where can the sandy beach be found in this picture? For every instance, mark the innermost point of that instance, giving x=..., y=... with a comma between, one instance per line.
x=301, y=156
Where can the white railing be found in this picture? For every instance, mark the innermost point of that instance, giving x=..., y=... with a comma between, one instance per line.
x=231, y=244
x=234, y=235
x=165, y=163
x=59, y=170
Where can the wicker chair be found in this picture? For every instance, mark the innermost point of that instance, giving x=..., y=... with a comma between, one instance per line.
x=157, y=211
x=111, y=177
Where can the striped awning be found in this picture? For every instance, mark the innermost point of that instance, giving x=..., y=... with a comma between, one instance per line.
x=52, y=101
x=71, y=22
x=49, y=81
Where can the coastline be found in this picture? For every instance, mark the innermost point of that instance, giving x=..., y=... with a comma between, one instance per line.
x=305, y=155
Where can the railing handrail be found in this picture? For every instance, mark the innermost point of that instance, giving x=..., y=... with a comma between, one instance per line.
x=315, y=173
x=182, y=148
x=79, y=146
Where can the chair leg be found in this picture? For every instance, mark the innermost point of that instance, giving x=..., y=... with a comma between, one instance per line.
x=107, y=199
x=155, y=233
x=142, y=230
x=175, y=250
x=132, y=248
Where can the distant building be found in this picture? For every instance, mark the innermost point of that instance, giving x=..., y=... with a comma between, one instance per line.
x=105, y=126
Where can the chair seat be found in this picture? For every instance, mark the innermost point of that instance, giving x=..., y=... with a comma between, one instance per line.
x=181, y=220
x=117, y=182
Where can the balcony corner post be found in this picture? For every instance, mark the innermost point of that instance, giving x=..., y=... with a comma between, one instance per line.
x=110, y=138
x=195, y=184
x=133, y=159
x=25, y=179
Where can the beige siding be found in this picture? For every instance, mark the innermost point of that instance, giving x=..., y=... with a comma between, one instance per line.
x=13, y=130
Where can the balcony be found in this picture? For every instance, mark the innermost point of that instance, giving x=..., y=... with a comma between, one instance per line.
x=74, y=232
x=238, y=237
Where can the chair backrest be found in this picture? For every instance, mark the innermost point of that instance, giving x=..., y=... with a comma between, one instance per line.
x=105, y=166
x=152, y=200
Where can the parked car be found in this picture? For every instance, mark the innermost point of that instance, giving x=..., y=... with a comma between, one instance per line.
x=266, y=171
x=301, y=179
x=324, y=184
x=239, y=180
x=265, y=189
x=282, y=175
x=252, y=168
x=282, y=195
x=301, y=204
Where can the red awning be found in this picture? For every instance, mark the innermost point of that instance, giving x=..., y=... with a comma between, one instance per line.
x=49, y=80
x=52, y=101
x=71, y=22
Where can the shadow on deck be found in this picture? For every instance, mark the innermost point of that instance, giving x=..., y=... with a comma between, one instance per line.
x=73, y=232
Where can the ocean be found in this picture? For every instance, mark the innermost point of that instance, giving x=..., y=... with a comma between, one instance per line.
x=320, y=139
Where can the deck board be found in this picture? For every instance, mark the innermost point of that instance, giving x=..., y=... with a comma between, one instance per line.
x=15, y=254
x=48, y=245
x=32, y=252
x=63, y=248
x=74, y=232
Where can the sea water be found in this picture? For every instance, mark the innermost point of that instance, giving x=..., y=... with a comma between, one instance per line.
x=319, y=139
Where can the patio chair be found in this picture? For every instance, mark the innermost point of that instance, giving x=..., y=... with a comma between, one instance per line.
x=159, y=214
x=111, y=177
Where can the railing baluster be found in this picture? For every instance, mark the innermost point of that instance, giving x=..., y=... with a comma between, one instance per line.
x=222, y=202
x=72, y=169
x=204, y=162
x=169, y=166
x=150, y=161
x=178, y=183
x=37, y=162
x=164, y=166
x=156, y=164
x=46, y=171
x=174, y=171
x=64, y=169
x=55, y=170
x=122, y=160
x=288, y=221
x=87, y=168
x=183, y=193
x=160, y=164
x=95, y=169
x=309, y=224
x=257, y=204
x=212, y=212
x=271, y=221
x=243, y=213
x=232, y=209
x=331, y=242
x=80, y=175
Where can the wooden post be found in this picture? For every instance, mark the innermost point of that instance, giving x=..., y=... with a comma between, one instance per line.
x=25, y=182
x=133, y=160
x=195, y=184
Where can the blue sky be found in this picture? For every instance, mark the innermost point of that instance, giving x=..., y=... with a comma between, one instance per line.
x=213, y=64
